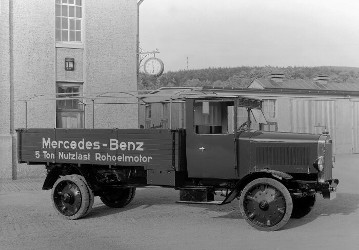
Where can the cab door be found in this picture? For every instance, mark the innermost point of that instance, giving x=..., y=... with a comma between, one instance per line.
x=211, y=144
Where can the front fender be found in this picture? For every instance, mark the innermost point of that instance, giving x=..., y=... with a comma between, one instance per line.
x=252, y=176
x=277, y=174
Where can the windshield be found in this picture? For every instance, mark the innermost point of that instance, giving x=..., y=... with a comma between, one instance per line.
x=258, y=116
x=255, y=116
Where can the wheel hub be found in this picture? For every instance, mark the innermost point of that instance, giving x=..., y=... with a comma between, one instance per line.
x=264, y=205
x=68, y=198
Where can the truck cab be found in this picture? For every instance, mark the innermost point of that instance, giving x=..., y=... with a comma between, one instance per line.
x=213, y=127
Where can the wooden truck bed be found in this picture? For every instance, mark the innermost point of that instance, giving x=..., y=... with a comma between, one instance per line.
x=158, y=151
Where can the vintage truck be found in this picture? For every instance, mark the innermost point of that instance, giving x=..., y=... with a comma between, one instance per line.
x=275, y=176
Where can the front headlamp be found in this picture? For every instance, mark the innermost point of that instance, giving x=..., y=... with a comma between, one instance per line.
x=319, y=164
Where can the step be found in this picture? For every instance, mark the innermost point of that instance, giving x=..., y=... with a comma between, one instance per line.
x=196, y=194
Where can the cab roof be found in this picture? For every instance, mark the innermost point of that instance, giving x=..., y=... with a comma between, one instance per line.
x=170, y=94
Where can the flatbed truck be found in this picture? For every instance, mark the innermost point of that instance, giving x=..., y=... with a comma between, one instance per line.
x=274, y=175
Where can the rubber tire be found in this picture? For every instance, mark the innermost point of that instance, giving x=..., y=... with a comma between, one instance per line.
x=87, y=196
x=302, y=206
x=118, y=198
x=92, y=196
x=280, y=188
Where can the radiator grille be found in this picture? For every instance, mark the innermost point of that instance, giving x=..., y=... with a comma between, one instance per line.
x=328, y=161
x=282, y=156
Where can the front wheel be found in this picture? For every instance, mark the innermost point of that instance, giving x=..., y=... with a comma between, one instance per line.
x=118, y=198
x=266, y=204
x=71, y=197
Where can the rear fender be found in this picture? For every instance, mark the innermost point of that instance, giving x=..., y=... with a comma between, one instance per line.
x=51, y=178
x=56, y=171
x=252, y=176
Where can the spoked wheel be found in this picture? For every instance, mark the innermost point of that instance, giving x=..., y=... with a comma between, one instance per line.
x=302, y=206
x=266, y=204
x=71, y=197
x=118, y=198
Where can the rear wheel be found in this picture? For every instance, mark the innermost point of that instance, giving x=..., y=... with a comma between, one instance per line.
x=71, y=197
x=266, y=204
x=118, y=198
x=302, y=206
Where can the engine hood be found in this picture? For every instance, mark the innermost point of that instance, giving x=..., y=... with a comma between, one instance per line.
x=279, y=137
x=286, y=152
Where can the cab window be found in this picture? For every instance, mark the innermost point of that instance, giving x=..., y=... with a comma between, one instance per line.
x=211, y=117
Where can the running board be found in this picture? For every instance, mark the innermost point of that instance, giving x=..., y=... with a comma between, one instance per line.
x=201, y=202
